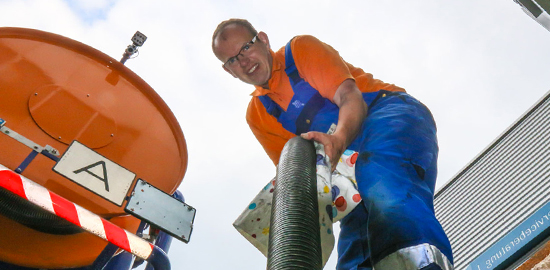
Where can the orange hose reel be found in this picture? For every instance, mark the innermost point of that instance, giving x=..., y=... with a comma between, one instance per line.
x=54, y=90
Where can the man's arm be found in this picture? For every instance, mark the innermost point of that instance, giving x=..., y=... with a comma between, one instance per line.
x=353, y=111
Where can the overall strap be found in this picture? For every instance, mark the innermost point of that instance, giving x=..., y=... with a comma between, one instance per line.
x=315, y=102
x=306, y=103
x=270, y=106
x=290, y=67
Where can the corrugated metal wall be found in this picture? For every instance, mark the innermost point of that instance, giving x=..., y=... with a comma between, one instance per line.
x=499, y=189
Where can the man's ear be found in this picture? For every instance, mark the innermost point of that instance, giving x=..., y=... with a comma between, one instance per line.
x=263, y=37
x=229, y=71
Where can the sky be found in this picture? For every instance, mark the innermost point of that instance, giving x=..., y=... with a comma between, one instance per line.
x=477, y=64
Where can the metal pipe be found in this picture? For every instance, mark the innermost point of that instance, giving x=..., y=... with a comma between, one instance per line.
x=122, y=261
x=104, y=257
x=107, y=260
x=159, y=259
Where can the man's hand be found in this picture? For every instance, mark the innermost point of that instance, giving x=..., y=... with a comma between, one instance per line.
x=353, y=111
x=334, y=146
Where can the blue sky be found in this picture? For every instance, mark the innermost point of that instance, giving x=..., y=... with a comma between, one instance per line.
x=477, y=64
x=90, y=11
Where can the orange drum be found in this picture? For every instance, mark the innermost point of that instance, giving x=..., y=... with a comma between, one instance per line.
x=54, y=90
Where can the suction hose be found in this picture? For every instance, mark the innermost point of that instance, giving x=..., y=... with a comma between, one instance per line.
x=33, y=216
x=294, y=238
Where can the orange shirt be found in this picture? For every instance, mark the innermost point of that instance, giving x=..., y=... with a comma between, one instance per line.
x=318, y=64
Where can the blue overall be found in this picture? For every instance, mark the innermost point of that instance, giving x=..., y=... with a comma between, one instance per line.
x=395, y=171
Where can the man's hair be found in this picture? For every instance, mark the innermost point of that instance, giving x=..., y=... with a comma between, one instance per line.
x=242, y=22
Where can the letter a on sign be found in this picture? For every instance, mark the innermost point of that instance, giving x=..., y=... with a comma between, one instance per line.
x=95, y=172
x=103, y=169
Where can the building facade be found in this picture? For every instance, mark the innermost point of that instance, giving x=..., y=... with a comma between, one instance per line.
x=496, y=211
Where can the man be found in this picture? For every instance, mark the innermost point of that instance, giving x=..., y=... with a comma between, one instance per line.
x=305, y=88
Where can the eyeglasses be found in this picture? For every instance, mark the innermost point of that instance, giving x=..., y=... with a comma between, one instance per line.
x=245, y=50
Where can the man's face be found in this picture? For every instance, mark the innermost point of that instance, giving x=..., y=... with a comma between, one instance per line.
x=244, y=56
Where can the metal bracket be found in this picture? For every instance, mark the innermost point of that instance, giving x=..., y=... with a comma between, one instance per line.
x=22, y=139
x=47, y=150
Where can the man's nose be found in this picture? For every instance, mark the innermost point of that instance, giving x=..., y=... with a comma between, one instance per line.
x=243, y=60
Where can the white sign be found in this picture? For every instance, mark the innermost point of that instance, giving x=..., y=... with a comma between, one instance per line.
x=95, y=172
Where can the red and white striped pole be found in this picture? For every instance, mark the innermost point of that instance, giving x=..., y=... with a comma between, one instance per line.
x=81, y=217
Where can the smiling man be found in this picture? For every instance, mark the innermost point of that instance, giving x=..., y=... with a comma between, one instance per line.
x=306, y=88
